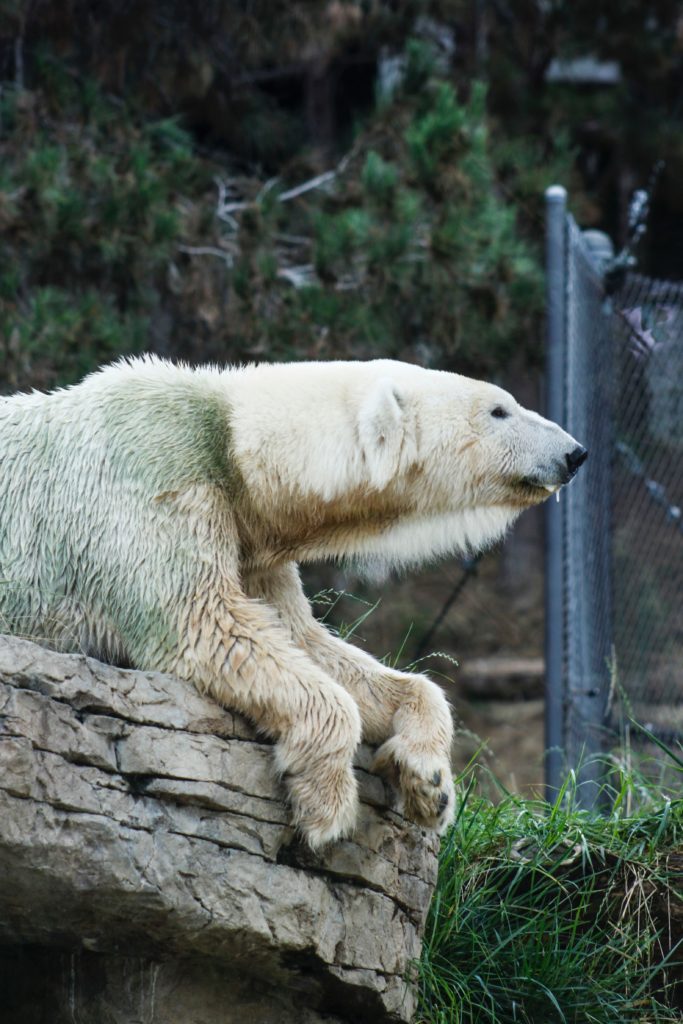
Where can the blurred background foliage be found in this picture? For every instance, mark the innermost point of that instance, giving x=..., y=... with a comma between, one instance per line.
x=301, y=179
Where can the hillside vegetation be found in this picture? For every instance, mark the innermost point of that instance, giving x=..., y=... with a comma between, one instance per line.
x=293, y=180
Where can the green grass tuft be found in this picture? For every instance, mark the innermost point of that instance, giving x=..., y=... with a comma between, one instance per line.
x=547, y=913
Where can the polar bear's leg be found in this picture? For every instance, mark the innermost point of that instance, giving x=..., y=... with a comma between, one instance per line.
x=237, y=650
x=182, y=610
x=406, y=713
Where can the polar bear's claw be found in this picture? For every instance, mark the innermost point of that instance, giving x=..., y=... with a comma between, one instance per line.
x=424, y=781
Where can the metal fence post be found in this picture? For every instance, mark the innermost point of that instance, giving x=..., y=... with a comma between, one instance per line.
x=556, y=206
x=554, y=598
x=587, y=538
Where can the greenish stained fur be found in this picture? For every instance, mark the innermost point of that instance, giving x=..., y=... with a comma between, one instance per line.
x=197, y=451
x=138, y=443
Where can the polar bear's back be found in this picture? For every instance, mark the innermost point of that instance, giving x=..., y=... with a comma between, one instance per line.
x=147, y=422
x=81, y=472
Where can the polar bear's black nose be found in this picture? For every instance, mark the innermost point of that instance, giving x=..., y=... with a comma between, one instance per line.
x=576, y=459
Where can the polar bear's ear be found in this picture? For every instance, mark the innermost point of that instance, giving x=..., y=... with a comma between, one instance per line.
x=381, y=428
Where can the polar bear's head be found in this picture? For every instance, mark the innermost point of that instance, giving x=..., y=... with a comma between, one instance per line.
x=463, y=455
x=392, y=463
x=472, y=440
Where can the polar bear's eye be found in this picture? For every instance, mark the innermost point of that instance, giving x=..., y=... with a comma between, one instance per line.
x=500, y=413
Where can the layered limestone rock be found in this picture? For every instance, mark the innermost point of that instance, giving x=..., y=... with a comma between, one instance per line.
x=148, y=871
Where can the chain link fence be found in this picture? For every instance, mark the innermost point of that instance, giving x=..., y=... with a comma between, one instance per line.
x=614, y=543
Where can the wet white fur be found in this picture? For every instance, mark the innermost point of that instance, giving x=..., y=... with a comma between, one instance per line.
x=155, y=514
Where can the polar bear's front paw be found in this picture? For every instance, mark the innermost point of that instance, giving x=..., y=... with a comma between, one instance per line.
x=324, y=800
x=424, y=780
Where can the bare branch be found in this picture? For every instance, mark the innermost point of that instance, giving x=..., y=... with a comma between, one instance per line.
x=227, y=205
x=224, y=208
x=307, y=186
x=300, y=277
x=207, y=250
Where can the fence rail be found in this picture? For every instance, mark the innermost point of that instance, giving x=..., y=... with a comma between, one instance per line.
x=614, y=544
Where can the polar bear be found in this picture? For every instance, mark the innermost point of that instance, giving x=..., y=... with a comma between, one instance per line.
x=154, y=515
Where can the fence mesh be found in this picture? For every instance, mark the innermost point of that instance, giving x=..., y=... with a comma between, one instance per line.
x=621, y=532
x=647, y=326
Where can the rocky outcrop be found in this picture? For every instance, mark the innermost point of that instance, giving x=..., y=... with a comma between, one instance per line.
x=148, y=871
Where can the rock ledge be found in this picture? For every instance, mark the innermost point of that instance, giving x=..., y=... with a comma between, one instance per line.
x=148, y=871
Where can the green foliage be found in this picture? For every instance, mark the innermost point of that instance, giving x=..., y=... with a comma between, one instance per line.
x=427, y=243
x=89, y=219
x=547, y=913
x=413, y=250
x=380, y=180
x=58, y=336
x=416, y=249
x=433, y=136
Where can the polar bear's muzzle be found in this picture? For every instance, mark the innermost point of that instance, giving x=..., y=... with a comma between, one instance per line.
x=562, y=471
